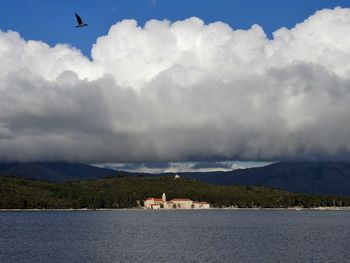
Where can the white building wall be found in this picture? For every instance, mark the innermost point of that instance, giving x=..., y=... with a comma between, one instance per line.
x=201, y=205
x=180, y=204
x=168, y=205
x=156, y=206
x=148, y=203
x=205, y=206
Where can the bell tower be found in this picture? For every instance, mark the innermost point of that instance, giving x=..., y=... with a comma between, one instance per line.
x=164, y=197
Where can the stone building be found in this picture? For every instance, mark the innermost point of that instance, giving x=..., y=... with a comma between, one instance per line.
x=151, y=202
x=200, y=205
x=177, y=203
x=182, y=203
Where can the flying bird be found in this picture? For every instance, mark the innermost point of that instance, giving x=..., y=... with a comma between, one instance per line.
x=80, y=21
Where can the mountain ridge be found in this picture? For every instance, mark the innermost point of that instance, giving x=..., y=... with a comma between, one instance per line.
x=54, y=171
x=325, y=178
x=303, y=177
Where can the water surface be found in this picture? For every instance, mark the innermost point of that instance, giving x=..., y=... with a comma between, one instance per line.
x=175, y=236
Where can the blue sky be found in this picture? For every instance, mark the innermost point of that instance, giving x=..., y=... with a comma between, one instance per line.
x=54, y=22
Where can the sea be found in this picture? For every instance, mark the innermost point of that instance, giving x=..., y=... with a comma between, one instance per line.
x=175, y=236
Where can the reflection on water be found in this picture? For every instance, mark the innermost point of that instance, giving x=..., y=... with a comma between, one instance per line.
x=175, y=236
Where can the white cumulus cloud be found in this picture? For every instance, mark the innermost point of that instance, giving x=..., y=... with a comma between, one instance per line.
x=177, y=91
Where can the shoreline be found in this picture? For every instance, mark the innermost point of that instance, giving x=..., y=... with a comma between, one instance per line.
x=213, y=208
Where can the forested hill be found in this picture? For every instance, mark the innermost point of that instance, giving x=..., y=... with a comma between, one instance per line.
x=327, y=178
x=54, y=171
x=125, y=192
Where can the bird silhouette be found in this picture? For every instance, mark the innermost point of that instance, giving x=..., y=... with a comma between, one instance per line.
x=80, y=21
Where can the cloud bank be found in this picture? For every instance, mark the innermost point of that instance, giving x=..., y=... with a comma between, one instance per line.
x=180, y=91
x=180, y=167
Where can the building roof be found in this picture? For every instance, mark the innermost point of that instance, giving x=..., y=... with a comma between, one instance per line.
x=154, y=199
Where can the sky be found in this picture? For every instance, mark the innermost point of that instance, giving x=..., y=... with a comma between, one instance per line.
x=175, y=81
x=53, y=21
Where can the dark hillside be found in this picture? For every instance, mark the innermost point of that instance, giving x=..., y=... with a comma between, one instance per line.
x=127, y=192
x=327, y=178
x=324, y=178
x=54, y=171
